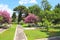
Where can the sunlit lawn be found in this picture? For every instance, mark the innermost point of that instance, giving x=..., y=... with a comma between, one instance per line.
x=8, y=34
x=37, y=34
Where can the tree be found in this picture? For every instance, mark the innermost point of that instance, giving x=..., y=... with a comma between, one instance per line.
x=46, y=14
x=5, y=16
x=57, y=8
x=57, y=13
x=35, y=9
x=20, y=9
x=14, y=17
x=31, y=18
x=45, y=5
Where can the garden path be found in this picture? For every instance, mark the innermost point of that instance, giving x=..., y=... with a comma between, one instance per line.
x=19, y=34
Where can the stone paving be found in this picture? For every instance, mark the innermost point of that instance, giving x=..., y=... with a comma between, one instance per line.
x=19, y=34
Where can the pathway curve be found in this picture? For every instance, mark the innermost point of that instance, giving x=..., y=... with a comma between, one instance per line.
x=19, y=34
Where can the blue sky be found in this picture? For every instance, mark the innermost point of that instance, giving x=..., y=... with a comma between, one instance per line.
x=11, y=4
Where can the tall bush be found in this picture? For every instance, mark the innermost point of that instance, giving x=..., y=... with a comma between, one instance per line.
x=5, y=15
x=14, y=17
x=31, y=18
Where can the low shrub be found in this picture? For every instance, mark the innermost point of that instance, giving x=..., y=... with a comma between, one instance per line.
x=40, y=24
x=5, y=26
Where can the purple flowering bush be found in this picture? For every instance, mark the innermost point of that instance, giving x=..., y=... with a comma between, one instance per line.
x=31, y=18
x=5, y=15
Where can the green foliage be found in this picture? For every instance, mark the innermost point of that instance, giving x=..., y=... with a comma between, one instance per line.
x=57, y=6
x=1, y=18
x=47, y=24
x=40, y=23
x=49, y=15
x=45, y=5
x=57, y=9
x=23, y=24
x=19, y=17
x=44, y=13
x=14, y=17
x=35, y=9
x=20, y=9
x=57, y=13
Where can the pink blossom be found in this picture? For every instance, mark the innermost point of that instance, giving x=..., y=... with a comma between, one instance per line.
x=5, y=15
x=31, y=18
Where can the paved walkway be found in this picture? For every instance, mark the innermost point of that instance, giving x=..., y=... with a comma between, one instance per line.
x=19, y=34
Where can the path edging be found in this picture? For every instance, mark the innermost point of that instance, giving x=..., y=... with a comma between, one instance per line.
x=15, y=33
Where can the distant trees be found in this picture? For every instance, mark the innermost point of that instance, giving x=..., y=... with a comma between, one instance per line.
x=57, y=13
x=44, y=11
x=45, y=5
x=20, y=9
x=14, y=17
x=57, y=9
x=35, y=9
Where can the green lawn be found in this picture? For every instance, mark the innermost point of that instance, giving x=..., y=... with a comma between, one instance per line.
x=37, y=34
x=8, y=34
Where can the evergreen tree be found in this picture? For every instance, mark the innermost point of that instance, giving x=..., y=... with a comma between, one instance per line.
x=14, y=17
x=19, y=17
x=45, y=5
x=20, y=9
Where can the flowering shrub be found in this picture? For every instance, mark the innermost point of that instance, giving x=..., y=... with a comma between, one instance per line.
x=31, y=18
x=5, y=15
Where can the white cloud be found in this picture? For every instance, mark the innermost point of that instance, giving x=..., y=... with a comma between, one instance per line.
x=33, y=1
x=5, y=7
x=22, y=2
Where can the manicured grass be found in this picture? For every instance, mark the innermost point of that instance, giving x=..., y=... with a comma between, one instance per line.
x=35, y=34
x=54, y=32
x=24, y=25
x=8, y=34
